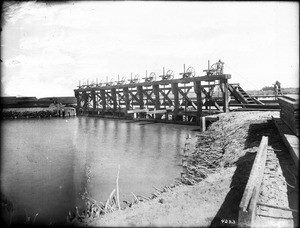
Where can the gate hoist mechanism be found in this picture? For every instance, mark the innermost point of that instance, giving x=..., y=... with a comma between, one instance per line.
x=215, y=69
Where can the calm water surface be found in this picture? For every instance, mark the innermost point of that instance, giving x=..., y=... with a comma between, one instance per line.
x=47, y=163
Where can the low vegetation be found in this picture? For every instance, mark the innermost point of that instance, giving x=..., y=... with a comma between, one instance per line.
x=28, y=114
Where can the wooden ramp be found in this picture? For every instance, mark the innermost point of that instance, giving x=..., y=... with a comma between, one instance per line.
x=241, y=96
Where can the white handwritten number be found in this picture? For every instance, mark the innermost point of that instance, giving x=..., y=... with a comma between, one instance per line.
x=229, y=221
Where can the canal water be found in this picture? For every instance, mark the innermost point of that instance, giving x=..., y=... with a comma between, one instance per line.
x=46, y=164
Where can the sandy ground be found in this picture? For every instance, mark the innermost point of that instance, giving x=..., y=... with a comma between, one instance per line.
x=214, y=200
x=183, y=206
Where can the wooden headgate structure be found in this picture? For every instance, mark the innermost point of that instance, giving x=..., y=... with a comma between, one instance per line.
x=176, y=100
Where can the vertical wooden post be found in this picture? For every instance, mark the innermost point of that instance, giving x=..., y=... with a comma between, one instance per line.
x=94, y=100
x=141, y=99
x=126, y=98
x=225, y=95
x=85, y=100
x=103, y=98
x=176, y=101
x=184, y=159
x=157, y=100
x=198, y=89
x=203, y=124
x=98, y=100
x=115, y=104
x=78, y=102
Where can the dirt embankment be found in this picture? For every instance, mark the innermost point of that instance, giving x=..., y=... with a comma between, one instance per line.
x=217, y=173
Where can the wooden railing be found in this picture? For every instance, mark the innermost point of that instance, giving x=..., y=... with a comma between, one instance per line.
x=248, y=205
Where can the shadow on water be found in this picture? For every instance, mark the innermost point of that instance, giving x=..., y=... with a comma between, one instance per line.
x=196, y=130
x=147, y=123
x=230, y=207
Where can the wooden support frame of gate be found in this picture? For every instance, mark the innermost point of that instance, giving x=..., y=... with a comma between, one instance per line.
x=224, y=84
x=116, y=99
x=198, y=91
x=175, y=92
x=115, y=103
x=103, y=97
x=127, y=101
x=93, y=97
x=78, y=102
x=157, y=99
x=141, y=100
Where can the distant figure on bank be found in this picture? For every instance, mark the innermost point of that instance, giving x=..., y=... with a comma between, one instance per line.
x=276, y=90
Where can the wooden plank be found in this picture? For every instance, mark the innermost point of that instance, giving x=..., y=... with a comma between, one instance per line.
x=166, y=82
x=140, y=95
x=134, y=96
x=77, y=95
x=257, y=101
x=236, y=94
x=290, y=140
x=166, y=95
x=114, y=99
x=176, y=100
x=249, y=200
x=293, y=103
x=257, y=106
x=289, y=113
x=161, y=111
x=199, y=100
x=137, y=111
x=252, y=109
x=156, y=94
x=208, y=97
x=187, y=99
x=85, y=99
x=225, y=96
x=286, y=106
x=185, y=87
x=126, y=98
x=148, y=97
x=256, y=190
x=93, y=97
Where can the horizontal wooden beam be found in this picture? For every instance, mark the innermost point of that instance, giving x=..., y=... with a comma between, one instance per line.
x=137, y=111
x=162, y=82
x=157, y=111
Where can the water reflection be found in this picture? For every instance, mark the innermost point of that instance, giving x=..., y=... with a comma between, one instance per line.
x=47, y=164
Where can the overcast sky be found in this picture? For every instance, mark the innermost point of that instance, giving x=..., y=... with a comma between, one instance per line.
x=47, y=48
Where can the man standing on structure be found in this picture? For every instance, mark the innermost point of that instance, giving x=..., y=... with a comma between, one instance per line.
x=220, y=66
x=276, y=89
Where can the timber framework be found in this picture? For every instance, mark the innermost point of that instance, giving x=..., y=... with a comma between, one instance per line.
x=183, y=100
